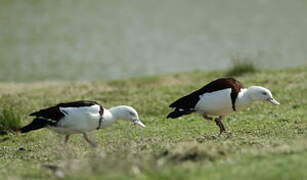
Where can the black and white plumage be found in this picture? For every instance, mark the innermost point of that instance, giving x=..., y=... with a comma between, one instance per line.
x=79, y=117
x=219, y=98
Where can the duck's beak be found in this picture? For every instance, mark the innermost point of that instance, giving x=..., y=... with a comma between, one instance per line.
x=273, y=101
x=138, y=122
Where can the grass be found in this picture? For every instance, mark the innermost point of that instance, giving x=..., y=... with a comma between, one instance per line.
x=241, y=65
x=10, y=120
x=267, y=141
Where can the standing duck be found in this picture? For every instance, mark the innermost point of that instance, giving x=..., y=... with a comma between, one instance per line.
x=219, y=98
x=79, y=117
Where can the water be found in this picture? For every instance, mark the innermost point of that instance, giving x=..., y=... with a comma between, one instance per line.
x=110, y=39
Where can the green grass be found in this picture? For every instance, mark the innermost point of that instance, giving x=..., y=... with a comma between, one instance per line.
x=10, y=120
x=241, y=66
x=267, y=141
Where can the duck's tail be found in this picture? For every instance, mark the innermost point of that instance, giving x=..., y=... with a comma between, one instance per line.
x=178, y=113
x=37, y=123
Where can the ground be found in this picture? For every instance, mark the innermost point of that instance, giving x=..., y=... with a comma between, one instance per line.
x=266, y=141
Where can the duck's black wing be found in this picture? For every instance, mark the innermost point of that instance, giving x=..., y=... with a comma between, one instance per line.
x=186, y=104
x=55, y=113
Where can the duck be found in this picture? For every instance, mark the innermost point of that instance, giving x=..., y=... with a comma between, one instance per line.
x=79, y=117
x=219, y=98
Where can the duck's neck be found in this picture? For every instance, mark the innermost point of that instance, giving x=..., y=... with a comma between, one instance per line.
x=110, y=116
x=116, y=113
x=243, y=100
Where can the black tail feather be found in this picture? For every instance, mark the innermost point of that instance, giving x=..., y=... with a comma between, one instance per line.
x=37, y=123
x=178, y=112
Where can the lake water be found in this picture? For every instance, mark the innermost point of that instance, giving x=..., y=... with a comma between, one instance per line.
x=111, y=39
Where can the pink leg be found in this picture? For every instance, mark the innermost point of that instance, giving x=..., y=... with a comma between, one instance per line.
x=88, y=140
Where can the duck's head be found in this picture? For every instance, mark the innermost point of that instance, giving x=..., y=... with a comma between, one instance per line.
x=128, y=113
x=261, y=93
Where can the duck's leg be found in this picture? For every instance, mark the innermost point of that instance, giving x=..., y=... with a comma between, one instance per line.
x=89, y=141
x=205, y=116
x=66, y=138
x=220, y=124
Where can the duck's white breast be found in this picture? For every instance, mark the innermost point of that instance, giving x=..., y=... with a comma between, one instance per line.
x=79, y=119
x=215, y=103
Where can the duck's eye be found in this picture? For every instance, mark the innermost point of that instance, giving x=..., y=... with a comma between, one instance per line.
x=131, y=113
x=264, y=93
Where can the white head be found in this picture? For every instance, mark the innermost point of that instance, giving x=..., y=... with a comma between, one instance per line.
x=128, y=113
x=261, y=93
